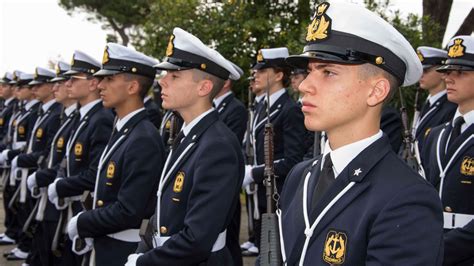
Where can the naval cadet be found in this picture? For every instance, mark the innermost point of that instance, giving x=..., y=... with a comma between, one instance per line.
x=289, y=134
x=449, y=153
x=23, y=127
x=129, y=167
x=358, y=203
x=92, y=129
x=437, y=109
x=198, y=188
x=234, y=115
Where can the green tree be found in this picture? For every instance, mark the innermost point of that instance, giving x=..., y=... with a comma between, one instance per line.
x=122, y=16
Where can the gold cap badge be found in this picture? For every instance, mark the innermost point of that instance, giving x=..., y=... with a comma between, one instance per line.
x=259, y=56
x=36, y=73
x=320, y=27
x=420, y=55
x=457, y=49
x=105, y=58
x=58, y=70
x=72, y=60
x=178, y=182
x=170, y=48
x=335, y=247
x=467, y=166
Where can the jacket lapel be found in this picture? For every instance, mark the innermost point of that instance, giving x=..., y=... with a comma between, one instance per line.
x=431, y=113
x=274, y=111
x=456, y=145
x=193, y=137
x=356, y=171
x=225, y=103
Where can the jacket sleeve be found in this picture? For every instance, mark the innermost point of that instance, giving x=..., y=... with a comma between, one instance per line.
x=141, y=166
x=408, y=230
x=85, y=180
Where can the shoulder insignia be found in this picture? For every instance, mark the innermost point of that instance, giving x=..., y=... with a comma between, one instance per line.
x=178, y=182
x=320, y=27
x=335, y=247
x=1, y=121
x=467, y=166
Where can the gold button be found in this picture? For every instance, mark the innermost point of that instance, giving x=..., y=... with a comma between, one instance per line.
x=163, y=230
x=448, y=209
x=100, y=203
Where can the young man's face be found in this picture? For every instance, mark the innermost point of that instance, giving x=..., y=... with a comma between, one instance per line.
x=78, y=86
x=334, y=96
x=24, y=93
x=296, y=80
x=6, y=91
x=178, y=89
x=42, y=91
x=265, y=78
x=113, y=90
x=459, y=86
x=430, y=78
x=60, y=91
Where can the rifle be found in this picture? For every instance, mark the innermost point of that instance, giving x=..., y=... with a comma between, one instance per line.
x=86, y=201
x=13, y=201
x=416, y=111
x=173, y=131
x=411, y=158
x=269, y=239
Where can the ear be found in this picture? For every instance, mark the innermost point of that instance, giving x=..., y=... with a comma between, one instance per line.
x=133, y=87
x=93, y=84
x=279, y=75
x=379, y=92
x=204, y=87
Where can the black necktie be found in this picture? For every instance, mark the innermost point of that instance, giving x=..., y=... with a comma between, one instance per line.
x=456, y=129
x=326, y=178
x=177, y=140
x=425, y=108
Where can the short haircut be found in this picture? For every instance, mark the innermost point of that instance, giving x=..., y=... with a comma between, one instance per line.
x=144, y=83
x=217, y=83
x=368, y=70
x=286, y=75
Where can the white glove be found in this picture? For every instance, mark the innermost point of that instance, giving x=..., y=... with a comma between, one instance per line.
x=14, y=163
x=248, y=176
x=4, y=156
x=31, y=181
x=132, y=259
x=89, y=244
x=72, y=227
x=53, y=196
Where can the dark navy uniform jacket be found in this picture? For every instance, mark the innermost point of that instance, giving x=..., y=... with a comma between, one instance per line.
x=92, y=135
x=390, y=216
x=24, y=125
x=199, y=198
x=153, y=111
x=391, y=125
x=5, y=116
x=457, y=191
x=289, y=135
x=439, y=113
x=126, y=188
x=46, y=128
x=234, y=114
x=46, y=176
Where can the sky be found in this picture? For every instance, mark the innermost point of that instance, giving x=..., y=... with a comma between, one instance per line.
x=32, y=32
